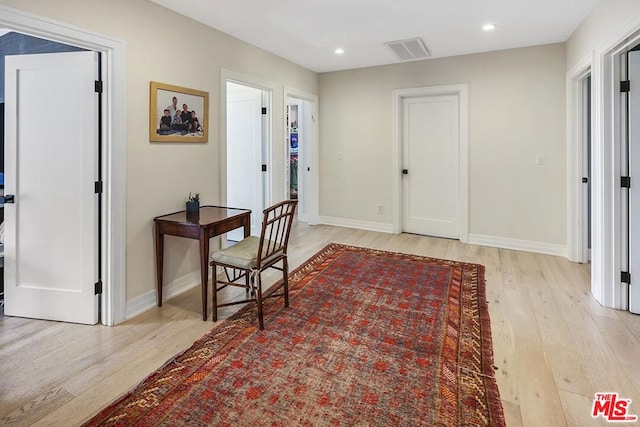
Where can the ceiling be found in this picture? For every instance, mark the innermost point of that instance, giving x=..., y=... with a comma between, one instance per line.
x=307, y=32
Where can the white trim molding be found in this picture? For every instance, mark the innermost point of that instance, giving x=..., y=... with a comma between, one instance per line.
x=381, y=227
x=149, y=300
x=517, y=244
x=398, y=96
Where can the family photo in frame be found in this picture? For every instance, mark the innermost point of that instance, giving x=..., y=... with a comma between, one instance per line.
x=178, y=114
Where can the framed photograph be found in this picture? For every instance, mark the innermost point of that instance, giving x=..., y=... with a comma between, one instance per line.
x=178, y=114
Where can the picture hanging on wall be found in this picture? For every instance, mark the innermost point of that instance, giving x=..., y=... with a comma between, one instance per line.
x=178, y=114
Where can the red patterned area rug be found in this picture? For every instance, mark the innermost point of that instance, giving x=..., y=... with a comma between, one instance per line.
x=372, y=338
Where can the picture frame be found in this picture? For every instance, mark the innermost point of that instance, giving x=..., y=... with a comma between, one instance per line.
x=189, y=126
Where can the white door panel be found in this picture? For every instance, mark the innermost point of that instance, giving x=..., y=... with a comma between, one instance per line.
x=51, y=166
x=634, y=172
x=430, y=155
x=244, y=154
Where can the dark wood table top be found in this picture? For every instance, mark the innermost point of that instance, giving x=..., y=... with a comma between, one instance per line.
x=206, y=215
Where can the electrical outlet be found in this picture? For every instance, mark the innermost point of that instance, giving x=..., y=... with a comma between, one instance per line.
x=380, y=209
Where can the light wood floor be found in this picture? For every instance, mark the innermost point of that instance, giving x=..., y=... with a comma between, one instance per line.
x=554, y=345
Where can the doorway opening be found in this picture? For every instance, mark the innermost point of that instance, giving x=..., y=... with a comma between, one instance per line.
x=112, y=258
x=299, y=124
x=580, y=164
x=247, y=152
x=301, y=153
x=610, y=265
x=437, y=104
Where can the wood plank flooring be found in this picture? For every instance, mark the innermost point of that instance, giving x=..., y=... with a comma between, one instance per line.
x=554, y=345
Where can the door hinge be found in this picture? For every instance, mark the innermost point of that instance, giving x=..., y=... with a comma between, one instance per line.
x=625, y=277
x=97, y=287
x=264, y=168
x=625, y=181
x=625, y=86
x=585, y=180
x=264, y=110
x=98, y=86
x=98, y=187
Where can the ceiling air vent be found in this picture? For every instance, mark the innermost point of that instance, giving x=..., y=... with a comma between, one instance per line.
x=409, y=49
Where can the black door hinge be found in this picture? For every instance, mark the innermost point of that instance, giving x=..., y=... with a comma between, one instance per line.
x=625, y=277
x=264, y=110
x=625, y=86
x=98, y=187
x=264, y=168
x=98, y=86
x=625, y=181
x=585, y=180
x=97, y=287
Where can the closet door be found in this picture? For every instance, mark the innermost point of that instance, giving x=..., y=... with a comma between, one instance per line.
x=430, y=146
x=51, y=164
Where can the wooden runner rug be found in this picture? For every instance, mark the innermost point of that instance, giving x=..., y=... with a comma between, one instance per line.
x=372, y=338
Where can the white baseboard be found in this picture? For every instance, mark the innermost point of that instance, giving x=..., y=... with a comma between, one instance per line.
x=381, y=227
x=518, y=245
x=144, y=302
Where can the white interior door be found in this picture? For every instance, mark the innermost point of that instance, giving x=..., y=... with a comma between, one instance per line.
x=634, y=172
x=244, y=154
x=431, y=194
x=51, y=114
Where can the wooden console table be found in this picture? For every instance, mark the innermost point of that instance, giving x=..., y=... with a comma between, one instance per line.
x=210, y=221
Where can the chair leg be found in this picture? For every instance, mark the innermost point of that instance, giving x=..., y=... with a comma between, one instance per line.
x=285, y=280
x=258, y=292
x=214, y=297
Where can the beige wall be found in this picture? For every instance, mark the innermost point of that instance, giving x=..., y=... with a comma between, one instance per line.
x=600, y=28
x=166, y=47
x=516, y=110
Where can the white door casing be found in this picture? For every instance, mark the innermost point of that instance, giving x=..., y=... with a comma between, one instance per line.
x=400, y=206
x=51, y=164
x=430, y=156
x=308, y=178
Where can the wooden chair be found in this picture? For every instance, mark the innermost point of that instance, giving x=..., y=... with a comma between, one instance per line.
x=248, y=258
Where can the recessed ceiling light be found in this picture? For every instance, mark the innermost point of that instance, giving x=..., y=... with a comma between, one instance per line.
x=339, y=51
x=489, y=27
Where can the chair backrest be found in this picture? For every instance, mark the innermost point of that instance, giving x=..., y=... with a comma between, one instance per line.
x=276, y=227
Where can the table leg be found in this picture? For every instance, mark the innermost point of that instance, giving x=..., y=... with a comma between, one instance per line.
x=204, y=272
x=247, y=226
x=159, y=261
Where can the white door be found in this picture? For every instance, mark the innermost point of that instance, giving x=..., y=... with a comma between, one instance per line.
x=430, y=166
x=244, y=154
x=634, y=172
x=51, y=137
